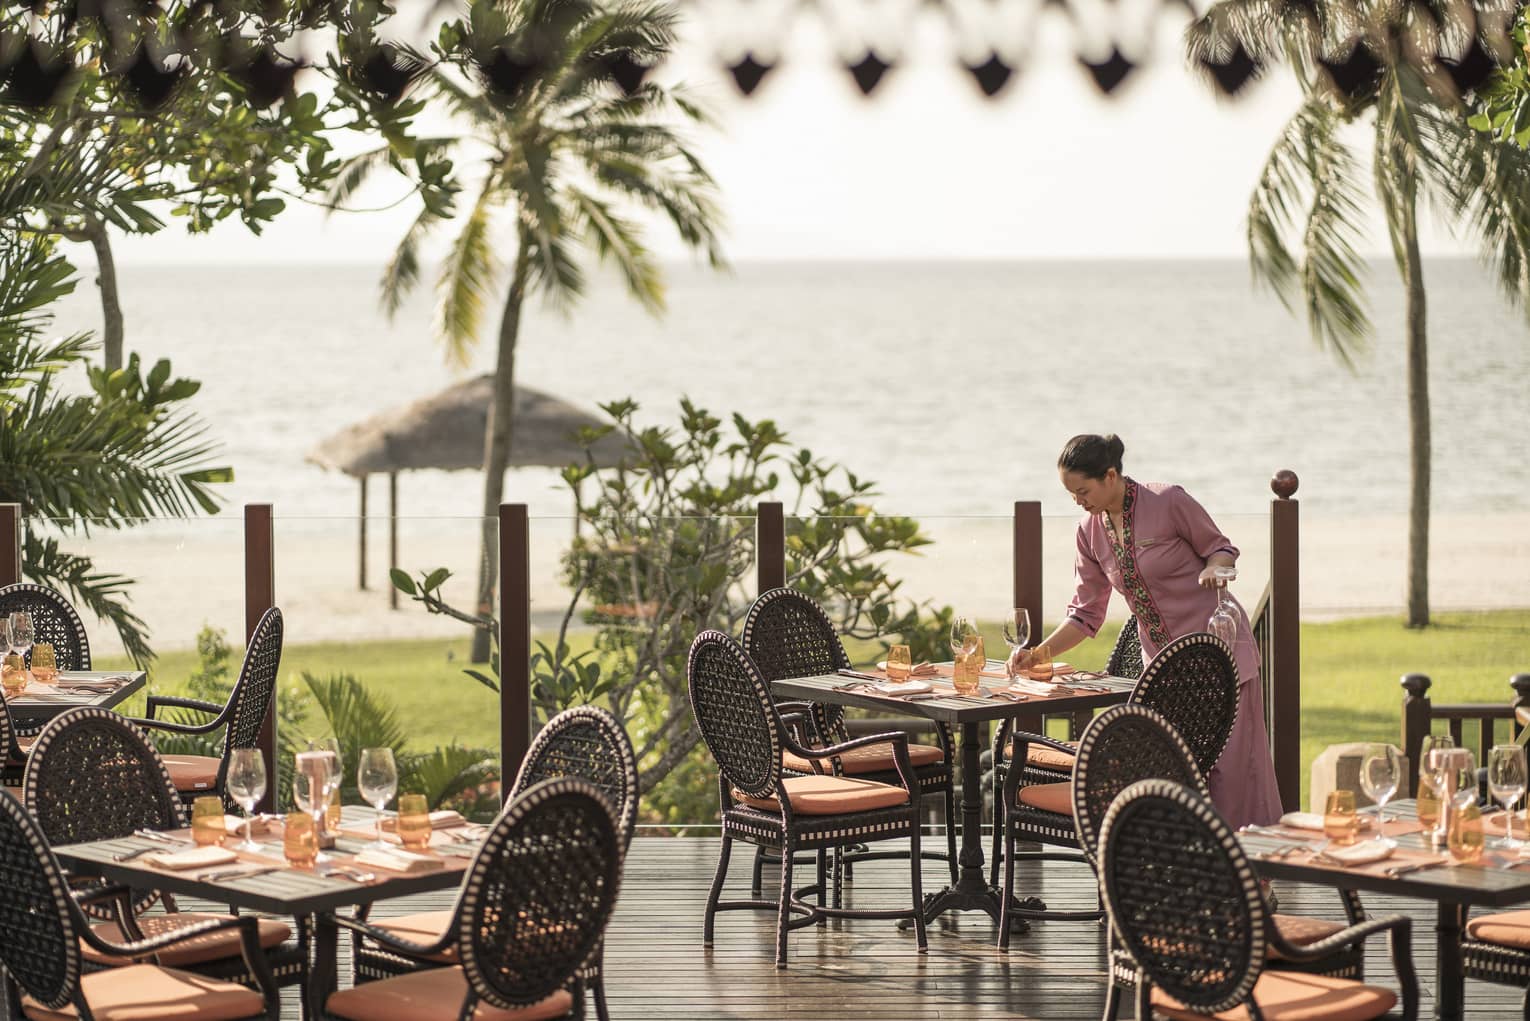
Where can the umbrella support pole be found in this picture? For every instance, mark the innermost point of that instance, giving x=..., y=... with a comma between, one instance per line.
x=361, y=540
x=392, y=538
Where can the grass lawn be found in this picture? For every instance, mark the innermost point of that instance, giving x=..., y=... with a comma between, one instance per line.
x=1350, y=671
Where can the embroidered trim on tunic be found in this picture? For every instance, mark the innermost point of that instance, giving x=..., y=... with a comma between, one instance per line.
x=1134, y=588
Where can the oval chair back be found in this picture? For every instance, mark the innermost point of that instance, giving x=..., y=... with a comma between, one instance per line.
x=10, y=748
x=53, y=621
x=1124, y=744
x=787, y=634
x=39, y=943
x=733, y=708
x=1181, y=895
x=586, y=742
x=1193, y=684
x=92, y=775
x=539, y=893
x=1126, y=655
x=253, y=694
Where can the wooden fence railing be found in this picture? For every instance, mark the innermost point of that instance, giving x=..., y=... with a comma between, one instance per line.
x=1419, y=714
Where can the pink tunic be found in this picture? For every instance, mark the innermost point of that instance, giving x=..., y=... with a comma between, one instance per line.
x=1170, y=537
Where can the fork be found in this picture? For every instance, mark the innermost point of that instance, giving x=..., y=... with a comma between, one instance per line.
x=134, y=855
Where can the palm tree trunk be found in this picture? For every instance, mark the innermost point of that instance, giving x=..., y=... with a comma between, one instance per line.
x=111, y=307
x=496, y=447
x=1419, y=448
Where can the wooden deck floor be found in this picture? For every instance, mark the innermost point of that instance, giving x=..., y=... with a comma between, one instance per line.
x=657, y=967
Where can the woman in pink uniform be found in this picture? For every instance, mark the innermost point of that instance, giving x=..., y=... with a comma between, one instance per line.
x=1156, y=546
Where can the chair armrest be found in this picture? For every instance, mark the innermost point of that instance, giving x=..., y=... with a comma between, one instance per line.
x=395, y=942
x=99, y=890
x=176, y=702
x=1019, y=743
x=149, y=723
x=1339, y=940
x=136, y=948
x=896, y=738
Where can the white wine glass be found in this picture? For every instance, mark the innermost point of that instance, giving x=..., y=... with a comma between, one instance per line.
x=247, y=785
x=1016, y=633
x=336, y=776
x=22, y=633
x=377, y=777
x=1506, y=783
x=964, y=637
x=1380, y=776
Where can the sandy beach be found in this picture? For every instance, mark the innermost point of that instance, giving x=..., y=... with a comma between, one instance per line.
x=190, y=573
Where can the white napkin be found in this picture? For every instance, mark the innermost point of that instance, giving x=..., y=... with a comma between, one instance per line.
x=903, y=687
x=1302, y=820
x=440, y=819
x=1362, y=853
x=396, y=859
x=191, y=857
x=234, y=825
x=917, y=670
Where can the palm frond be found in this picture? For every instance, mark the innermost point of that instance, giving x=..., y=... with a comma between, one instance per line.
x=619, y=242
x=353, y=174
x=467, y=278
x=402, y=272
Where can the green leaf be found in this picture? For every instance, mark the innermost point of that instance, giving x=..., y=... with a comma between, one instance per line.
x=402, y=581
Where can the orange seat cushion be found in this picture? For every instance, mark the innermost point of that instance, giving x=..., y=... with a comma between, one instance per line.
x=830, y=795
x=145, y=992
x=1302, y=931
x=192, y=772
x=1296, y=996
x=424, y=927
x=1049, y=797
x=214, y=946
x=433, y=995
x=1506, y=928
x=1046, y=758
x=875, y=758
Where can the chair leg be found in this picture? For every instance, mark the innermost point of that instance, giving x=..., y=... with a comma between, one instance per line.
x=916, y=880
x=950, y=794
x=1112, y=1000
x=998, y=829
x=784, y=914
x=823, y=881
x=1007, y=891
x=839, y=877
x=1524, y=1007
x=598, y=987
x=717, y=885
x=757, y=880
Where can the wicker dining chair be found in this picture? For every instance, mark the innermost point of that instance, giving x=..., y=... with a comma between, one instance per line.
x=15, y=744
x=527, y=920
x=1050, y=765
x=585, y=742
x=1186, y=905
x=242, y=715
x=787, y=634
x=1496, y=948
x=53, y=621
x=94, y=776
x=760, y=804
x=1128, y=743
x=44, y=938
x=1192, y=683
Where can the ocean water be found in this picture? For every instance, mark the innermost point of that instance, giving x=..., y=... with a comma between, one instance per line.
x=953, y=385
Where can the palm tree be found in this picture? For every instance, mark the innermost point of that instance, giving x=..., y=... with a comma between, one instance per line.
x=1361, y=65
x=564, y=154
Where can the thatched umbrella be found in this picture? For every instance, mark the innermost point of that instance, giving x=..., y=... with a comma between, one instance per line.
x=446, y=431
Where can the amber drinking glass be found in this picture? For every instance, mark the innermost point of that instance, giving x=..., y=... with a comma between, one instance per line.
x=300, y=841
x=413, y=821
x=1464, y=835
x=44, y=663
x=207, y=823
x=13, y=675
x=1340, y=823
x=1432, y=787
x=1041, y=663
x=899, y=662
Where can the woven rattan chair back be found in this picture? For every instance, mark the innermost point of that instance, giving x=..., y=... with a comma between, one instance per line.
x=1124, y=744
x=540, y=892
x=787, y=634
x=53, y=621
x=587, y=742
x=253, y=692
x=38, y=942
x=9, y=749
x=1193, y=684
x=737, y=718
x=1126, y=656
x=1181, y=895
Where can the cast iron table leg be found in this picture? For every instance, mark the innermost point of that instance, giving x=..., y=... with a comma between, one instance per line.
x=972, y=892
x=1450, y=994
x=322, y=977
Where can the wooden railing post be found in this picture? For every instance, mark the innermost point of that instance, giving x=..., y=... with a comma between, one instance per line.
x=1415, y=723
x=769, y=548
x=1285, y=639
x=10, y=543
x=1521, y=685
x=514, y=641
x=1026, y=570
x=260, y=596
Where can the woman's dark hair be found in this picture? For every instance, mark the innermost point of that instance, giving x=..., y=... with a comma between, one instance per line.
x=1091, y=455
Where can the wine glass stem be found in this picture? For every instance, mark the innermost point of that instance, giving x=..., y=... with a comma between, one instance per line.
x=249, y=826
x=378, y=821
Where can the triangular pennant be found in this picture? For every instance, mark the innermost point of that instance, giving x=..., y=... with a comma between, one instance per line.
x=267, y=78
x=868, y=72
x=387, y=72
x=34, y=77
x=504, y=73
x=1235, y=72
x=748, y=73
x=1473, y=68
x=1357, y=74
x=992, y=75
x=1109, y=74
x=152, y=83
x=626, y=72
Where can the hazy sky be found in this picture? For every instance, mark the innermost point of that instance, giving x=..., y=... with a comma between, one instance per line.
x=925, y=169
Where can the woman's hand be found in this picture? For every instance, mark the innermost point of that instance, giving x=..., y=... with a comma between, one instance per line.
x=1208, y=576
x=1019, y=660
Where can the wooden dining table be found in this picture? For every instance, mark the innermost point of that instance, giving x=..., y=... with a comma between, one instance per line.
x=972, y=891
x=1455, y=889
x=39, y=703
x=309, y=895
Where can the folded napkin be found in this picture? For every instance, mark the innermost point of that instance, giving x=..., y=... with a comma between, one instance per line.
x=1362, y=853
x=396, y=859
x=259, y=825
x=903, y=687
x=191, y=858
x=917, y=670
x=1302, y=820
x=441, y=819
